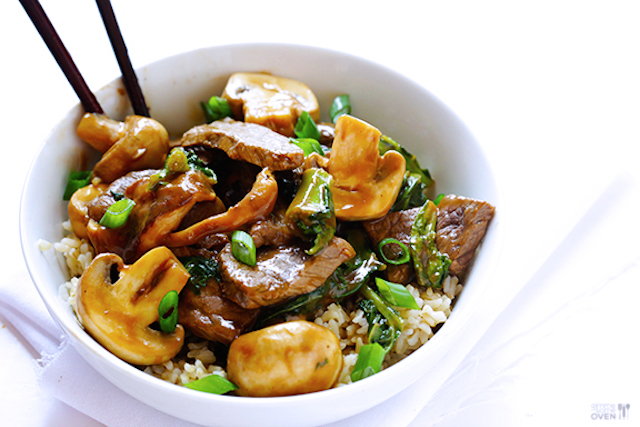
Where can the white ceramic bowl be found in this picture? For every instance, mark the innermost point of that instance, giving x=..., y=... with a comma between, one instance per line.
x=173, y=88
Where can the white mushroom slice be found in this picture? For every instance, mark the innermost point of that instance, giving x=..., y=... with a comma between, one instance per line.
x=271, y=101
x=78, y=208
x=117, y=303
x=365, y=185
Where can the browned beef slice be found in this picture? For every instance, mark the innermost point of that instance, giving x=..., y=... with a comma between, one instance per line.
x=396, y=225
x=211, y=316
x=247, y=141
x=280, y=273
x=273, y=231
x=462, y=223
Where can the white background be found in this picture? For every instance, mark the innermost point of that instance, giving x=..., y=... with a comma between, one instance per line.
x=550, y=88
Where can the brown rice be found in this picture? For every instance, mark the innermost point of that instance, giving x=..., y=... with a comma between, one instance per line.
x=350, y=326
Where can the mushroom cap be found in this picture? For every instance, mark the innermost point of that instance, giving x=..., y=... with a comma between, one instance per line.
x=144, y=145
x=365, y=184
x=272, y=101
x=118, y=313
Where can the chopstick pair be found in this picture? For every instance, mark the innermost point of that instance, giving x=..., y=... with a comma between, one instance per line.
x=63, y=58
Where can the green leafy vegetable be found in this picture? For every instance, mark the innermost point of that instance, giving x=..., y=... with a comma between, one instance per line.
x=118, y=213
x=196, y=163
x=312, y=208
x=308, y=145
x=396, y=294
x=370, y=358
x=412, y=193
x=212, y=384
x=200, y=270
x=306, y=127
x=217, y=108
x=413, y=165
x=385, y=324
x=341, y=105
x=243, y=247
x=76, y=181
x=430, y=266
x=168, y=311
x=402, y=255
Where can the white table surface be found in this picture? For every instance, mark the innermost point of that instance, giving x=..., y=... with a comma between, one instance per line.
x=550, y=88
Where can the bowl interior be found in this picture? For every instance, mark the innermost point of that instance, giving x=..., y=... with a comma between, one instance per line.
x=173, y=89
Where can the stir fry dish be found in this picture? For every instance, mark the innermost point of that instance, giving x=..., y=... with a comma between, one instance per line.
x=262, y=253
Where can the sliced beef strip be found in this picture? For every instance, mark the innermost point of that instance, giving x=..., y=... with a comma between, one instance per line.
x=273, y=231
x=250, y=142
x=396, y=225
x=280, y=273
x=462, y=223
x=210, y=315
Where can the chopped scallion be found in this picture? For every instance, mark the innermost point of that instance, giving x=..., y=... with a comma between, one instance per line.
x=438, y=199
x=76, y=181
x=168, y=311
x=396, y=294
x=306, y=127
x=243, y=247
x=118, y=213
x=308, y=145
x=212, y=384
x=341, y=105
x=369, y=361
x=217, y=108
x=402, y=258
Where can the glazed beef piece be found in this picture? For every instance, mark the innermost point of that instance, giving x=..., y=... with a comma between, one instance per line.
x=462, y=223
x=208, y=314
x=396, y=225
x=273, y=231
x=250, y=142
x=280, y=273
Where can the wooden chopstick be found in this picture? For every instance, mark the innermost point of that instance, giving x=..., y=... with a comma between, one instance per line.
x=61, y=55
x=119, y=48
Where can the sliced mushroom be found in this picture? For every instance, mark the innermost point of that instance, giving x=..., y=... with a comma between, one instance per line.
x=155, y=215
x=256, y=205
x=143, y=144
x=271, y=101
x=78, y=208
x=365, y=185
x=118, y=303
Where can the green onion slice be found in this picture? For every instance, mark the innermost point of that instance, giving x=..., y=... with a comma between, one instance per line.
x=404, y=256
x=118, y=213
x=243, y=248
x=396, y=294
x=369, y=361
x=308, y=145
x=306, y=127
x=168, y=311
x=341, y=105
x=438, y=199
x=212, y=384
x=76, y=181
x=217, y=108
